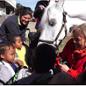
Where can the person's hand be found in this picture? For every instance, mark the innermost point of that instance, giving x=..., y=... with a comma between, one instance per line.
x=64, y=67
x=41, y=7
x=19, y=63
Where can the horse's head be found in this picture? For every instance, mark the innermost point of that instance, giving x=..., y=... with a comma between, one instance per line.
x=52, y=20
x=53, y=13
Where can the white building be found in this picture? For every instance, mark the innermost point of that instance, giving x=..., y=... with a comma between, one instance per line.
x=7, y=6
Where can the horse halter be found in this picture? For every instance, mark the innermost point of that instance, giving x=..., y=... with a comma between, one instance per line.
x=63, y=26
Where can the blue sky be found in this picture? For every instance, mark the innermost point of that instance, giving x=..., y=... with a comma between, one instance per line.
x=28, y=3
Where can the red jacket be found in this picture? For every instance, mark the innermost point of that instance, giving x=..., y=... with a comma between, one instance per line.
x=76, y=59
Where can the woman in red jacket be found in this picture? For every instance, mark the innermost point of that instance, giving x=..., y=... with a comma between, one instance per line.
x=74, y=53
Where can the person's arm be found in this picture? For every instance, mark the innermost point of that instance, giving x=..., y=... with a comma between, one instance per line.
x=19, y=63
x=72, y=72
x=12, y=28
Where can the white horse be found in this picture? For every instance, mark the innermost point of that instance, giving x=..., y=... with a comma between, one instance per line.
x=52, y=20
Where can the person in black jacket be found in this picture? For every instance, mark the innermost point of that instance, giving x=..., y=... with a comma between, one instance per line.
x=16, y=24
x=39, y=10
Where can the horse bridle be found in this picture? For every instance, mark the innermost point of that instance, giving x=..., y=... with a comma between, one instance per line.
x=63, y=26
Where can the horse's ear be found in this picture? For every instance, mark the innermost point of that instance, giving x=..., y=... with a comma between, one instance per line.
x=60, y=2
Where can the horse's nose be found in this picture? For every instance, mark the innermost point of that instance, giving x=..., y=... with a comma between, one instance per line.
x=52, y=22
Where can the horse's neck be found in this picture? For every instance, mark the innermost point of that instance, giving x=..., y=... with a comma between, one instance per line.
x=75, y=8
x=76, y=11
x=73, y=21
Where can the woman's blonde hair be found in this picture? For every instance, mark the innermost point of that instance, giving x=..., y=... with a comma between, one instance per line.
x=79, y=30
x=83, y=29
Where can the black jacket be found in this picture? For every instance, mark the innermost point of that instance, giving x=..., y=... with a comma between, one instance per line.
x=35, y=79
x=38, y=13
x=11, y=27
